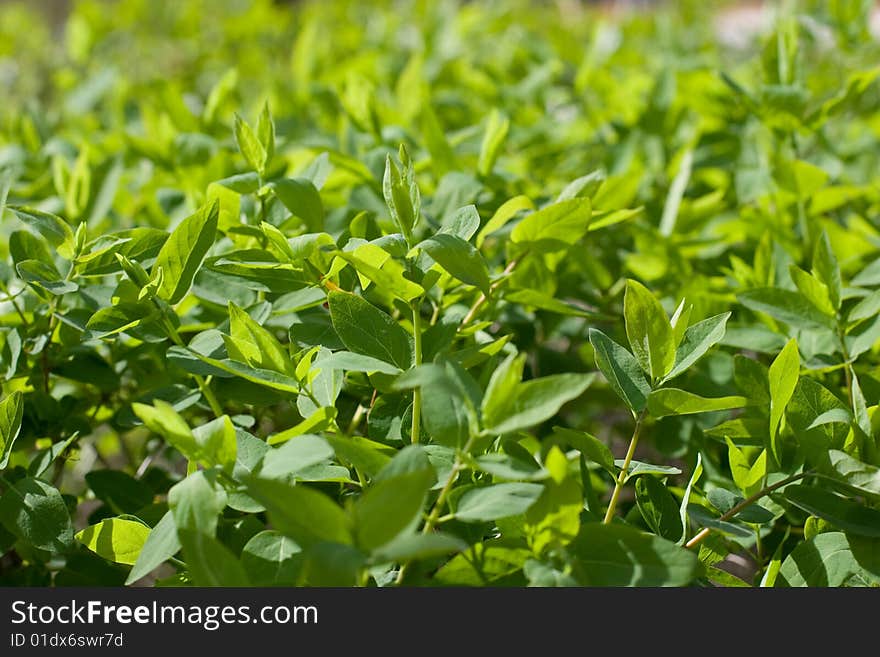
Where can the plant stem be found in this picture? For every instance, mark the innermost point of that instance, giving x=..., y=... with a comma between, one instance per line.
x=483, y=298
x=417, y=360
x=847, y=373
x=696, y=540
x=621, y=478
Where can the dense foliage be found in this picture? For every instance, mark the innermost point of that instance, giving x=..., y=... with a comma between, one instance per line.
x=431, y=293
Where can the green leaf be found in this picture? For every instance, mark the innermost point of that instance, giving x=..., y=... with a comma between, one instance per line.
x=115, y=539
x=390, y=506
x=686, y=498
x=724, y=500
x=302, y=513
x=295, y=455
x=491, y=503
x=52, y=227
x=303, y=199
x=621, y=370
x=864, y=477
x=503, y=214
x=813, y=289
x=120, y=318
x=459, y=258
x=504, y=466
x=402, y=194
x=250, y=343
x=555, y=227
x=35, y=512
x=538, y=400
x=658, y=508
x=500, y=390
x=588, y=445
x=272, y=559
x=42, y=276
x=118, y=490
x=697, y=340
x=196, y=503
x=831, y=559
x=747, y=475
x=449, y=401
x=493, y=139
x=672, y=401
x=418, y=546
x=648, y=330
x=162, y=419
x=209, y=562
x=786, y=306
x=161, y=544
x=249, y=145
x=841, y=512
x=352, y=362
x=462, y=223
x=783, y=378
x=182, y=253
x=216, y=442
x=639, y=468
x=11, y=413
x=266, y=132
x=375, y=264
x=827, y=269
x=364, y=329
x=617, y=555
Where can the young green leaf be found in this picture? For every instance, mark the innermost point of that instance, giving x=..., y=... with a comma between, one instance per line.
x=302, y=198
x=555, y=227
x=249, y=145
x=648, y=330
x=493, y=140
x=459, y=258
x=783, y=378
x=697, y=340
x=827, y=269
x=11, y=412
x=250, y=343
x=182, y=254
x=115, y=539
x=52, y=227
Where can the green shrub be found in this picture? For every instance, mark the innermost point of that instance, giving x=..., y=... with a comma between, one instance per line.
x=367, y=295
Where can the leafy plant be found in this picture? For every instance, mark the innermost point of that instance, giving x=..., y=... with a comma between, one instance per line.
x=475, y=297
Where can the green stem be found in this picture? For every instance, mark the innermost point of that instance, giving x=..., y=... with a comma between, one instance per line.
x=847, y=372
x=621, y=478
x=417, y=360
